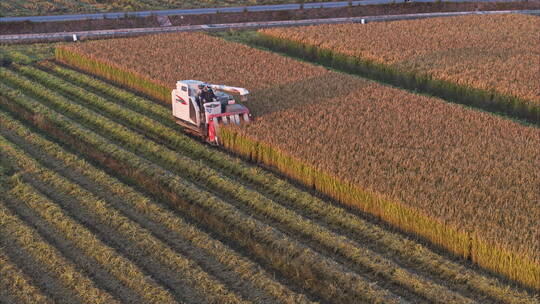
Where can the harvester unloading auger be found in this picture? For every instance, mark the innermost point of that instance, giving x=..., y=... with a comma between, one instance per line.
x=201, y=107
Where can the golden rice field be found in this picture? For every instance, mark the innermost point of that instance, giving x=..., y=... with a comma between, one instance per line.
x=463, y=179
x=74, y=231
x=212, y=60
x=489, y=58
x=104, y=200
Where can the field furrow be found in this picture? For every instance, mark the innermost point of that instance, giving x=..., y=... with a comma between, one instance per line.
x=17, y=286
x=394, y=246
x=351, y=254
x=422, y=260
x=244, y=275
x=319, y=275
x=44, y=279
x=403, y=250
x=100, y=275
x=63, y=281
x=427, y=167
x=111, y=173
x=111, y=223
x=103, y=262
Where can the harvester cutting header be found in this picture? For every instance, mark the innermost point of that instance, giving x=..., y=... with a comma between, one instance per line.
x=201, y=107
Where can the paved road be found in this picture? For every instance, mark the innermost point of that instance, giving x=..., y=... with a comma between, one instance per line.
x=68, y=36
x=236, y=9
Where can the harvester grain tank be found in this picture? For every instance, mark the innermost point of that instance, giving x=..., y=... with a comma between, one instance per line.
x=202, y=107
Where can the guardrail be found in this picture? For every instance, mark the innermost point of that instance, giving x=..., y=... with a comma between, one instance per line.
x=82, y=35
x=232, y=9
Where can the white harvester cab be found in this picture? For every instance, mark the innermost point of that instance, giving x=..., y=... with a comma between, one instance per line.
x=201, y=107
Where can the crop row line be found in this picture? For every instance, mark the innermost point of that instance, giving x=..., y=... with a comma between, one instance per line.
x=492, y=255
x=139, y=82
x=106, y=216
x=17, y=285
x=489, y=255
x=352, y=252
x=127, y=99
x=81, y=237
x=15, y=232
x=281, y=191
x=157, y=214
x=302, y=265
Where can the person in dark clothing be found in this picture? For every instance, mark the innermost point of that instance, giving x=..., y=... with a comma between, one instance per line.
x=207, y=95
x=211, y=95
x=198, y=98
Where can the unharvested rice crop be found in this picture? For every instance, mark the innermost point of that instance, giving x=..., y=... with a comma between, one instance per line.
x=465, y=180
x=75, y=231
x=490, y=61
x=468, y=169
x=198, y=56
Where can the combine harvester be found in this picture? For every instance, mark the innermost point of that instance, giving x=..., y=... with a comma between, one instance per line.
x=201, y=107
